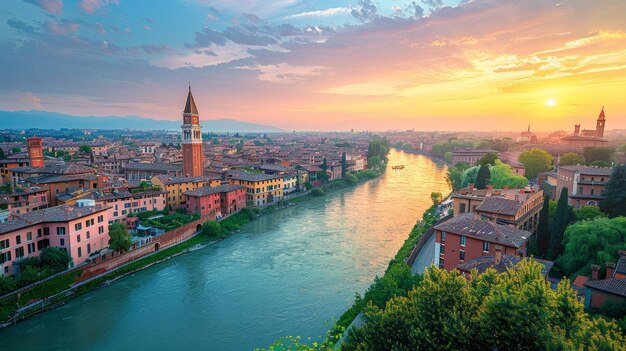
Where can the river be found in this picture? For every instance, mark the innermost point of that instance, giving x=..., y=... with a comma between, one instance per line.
x=284, y=274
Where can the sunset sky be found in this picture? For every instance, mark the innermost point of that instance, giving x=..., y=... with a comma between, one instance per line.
x=321, y=64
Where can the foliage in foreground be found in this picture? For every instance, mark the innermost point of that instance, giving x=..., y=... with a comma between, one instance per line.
x=516, y=310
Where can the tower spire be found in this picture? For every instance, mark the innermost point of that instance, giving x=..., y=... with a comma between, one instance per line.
x=190, y=105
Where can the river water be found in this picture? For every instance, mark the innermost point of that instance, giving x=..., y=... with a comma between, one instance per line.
x=286, y=273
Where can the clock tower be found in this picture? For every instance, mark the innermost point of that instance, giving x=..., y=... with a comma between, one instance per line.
x=600, y=124
x=193, y=164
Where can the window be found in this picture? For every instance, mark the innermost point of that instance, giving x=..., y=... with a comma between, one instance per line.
x=18, y=239
x=4, y=244
x=462, y=255
x=46, y=231
x=442, y=249
x=62, y=242
x=486, y=246
x=80, y=252
x=29, y=236
x=78, y=226
x=101, y=230
x=88, y=235
x=5, y=256
x=88, y=249
x=100, y=219
x=39, y=233
x=443, y=236
x=462, y=209
x=463, y=239
x=78, y=238
x=60, y=230
x=115, y=214
x=31, y=248
x=19, y=253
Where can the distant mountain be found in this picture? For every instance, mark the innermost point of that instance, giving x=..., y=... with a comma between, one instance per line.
x=53, y=120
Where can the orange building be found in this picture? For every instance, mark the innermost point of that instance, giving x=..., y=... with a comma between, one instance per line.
x=193, y=163
x=35, y=152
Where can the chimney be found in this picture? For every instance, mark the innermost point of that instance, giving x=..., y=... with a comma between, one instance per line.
x=610, y=269
x=595, y=269
x=498, y=257
x=577, y=129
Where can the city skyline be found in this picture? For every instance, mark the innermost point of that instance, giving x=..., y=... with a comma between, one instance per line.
x=331, y=65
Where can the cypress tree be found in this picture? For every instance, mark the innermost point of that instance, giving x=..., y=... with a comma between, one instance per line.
x=543, y=228
x=483, y=177
x=344, y=165
x=561, y=220
x=324, y=165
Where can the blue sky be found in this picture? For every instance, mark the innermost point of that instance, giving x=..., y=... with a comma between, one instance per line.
x=306, y=64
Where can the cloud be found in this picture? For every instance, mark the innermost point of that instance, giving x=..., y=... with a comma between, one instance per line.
x=91, y=6
x=62, y=27
x=284, y=73
x=334, y=11
x=216, y=55
x=433, y=4
x=29, y=101
x=53, y=7
x=21, y=27
x=251, y=17
x=365, y=11
x=415, y=10
x=157, y=49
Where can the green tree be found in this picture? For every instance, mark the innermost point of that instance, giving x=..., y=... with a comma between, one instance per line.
x=55, y=258
x=7, y=284
x=436, y=197
x=2, y=155
x=6, y=188
x=308, y=185
x=212, y=229
x=351, y=179
x=614, y=203
x=586, y=213
x=598, y=154
x=543, y=229
x=535, y=161
x=489, y=159
x=373, y=162
x=448, y=157
x=32, y=274
x=595, y=241
x=503, y=175
x=119, y=239
x=469, y=176
x=344, y=165
x=482, y=178
x=317, y=192
x=324, y=165
x=571, y=158
x=600, y=163
x=16, y=150
x=85, y=149
x=455, y=174
x=558, y=227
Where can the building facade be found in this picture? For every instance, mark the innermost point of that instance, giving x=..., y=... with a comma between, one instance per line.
x=470, y=156
x=585, y=184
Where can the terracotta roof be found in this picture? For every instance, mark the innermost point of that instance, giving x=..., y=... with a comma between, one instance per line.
x=615, y=286
x=176, y=180
x=484, y=262
x=499, y=205
x=61, y=213
x=162, y=167
x=190, y=105
x=601, y=171
x=206, y=191
x=464, y=224
x=251, y=177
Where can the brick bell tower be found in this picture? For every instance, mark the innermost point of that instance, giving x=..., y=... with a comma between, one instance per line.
x=35, y=152
x=193, y=164
x=600, y=124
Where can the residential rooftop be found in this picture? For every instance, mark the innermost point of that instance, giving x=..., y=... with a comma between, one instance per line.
x=465, y=224
x=61, y=213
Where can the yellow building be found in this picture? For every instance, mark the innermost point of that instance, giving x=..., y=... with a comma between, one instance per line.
x=174, y=187
x=261, y=189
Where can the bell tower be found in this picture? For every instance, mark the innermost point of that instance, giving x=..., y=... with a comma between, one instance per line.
x=193, y=164
x=35, y=152
x=600, y=124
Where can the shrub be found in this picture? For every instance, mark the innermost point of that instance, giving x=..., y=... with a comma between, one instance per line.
x=317, y=192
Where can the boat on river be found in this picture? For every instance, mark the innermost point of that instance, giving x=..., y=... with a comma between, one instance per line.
x=398, y=167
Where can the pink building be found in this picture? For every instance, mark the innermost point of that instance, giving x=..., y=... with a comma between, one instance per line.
x=79, y=230
x=123, y=203
x=25, y=200
x=215, y=201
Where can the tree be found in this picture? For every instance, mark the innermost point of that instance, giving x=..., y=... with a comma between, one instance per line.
x=119, y=239
x=31, y=274
x=469, y=176
x=535, y=161
x=7, y=284
x=324, y=165
x=85, y=149
x=436, y=197
x=350, y=179
x=595, y=241
x=614, y=203
x=489, y=159
x=16, y=150
x=514, y=310
x=55, y=258
x=543, y=228
x=587, y=213
x=212, y=229
x=454, y=175
x=448, y=157
x=598, y=154
x=482, y=178
x=571, y=158
x=373, y=162
x=2, y=155
x=502, y=175
x=344, y=165
x=559, y=225
x=6, y=188
x=600, y=163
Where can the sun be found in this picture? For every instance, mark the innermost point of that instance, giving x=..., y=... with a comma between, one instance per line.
x=551, y=102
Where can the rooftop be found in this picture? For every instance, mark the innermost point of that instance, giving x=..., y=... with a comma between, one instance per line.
x=600, y=171
x=484, y=262
x=251, y=177
x=61, y=213
x=615, y=286
x=465, y=224
x=162, y=167
x=206, y=191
